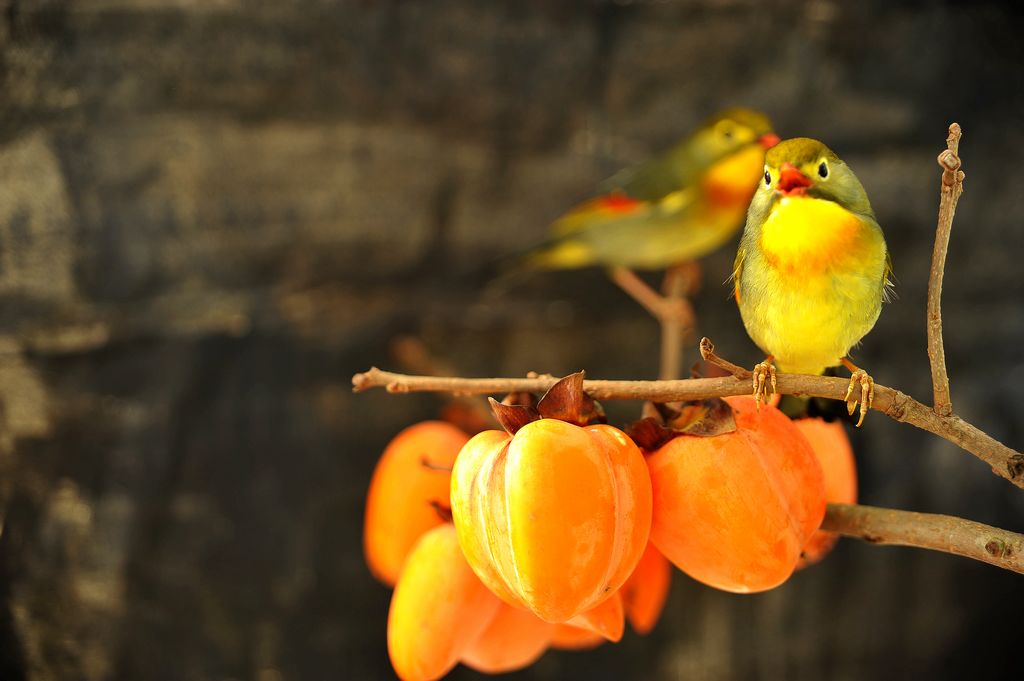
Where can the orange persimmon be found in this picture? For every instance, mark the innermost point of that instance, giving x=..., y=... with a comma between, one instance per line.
x=644, y=593
x=438, y=610
x=607, y=619
x=832, y=447
x=413, y=472
x=568, y=637
x=735, y=510
x=555, y=517
x=514, y=639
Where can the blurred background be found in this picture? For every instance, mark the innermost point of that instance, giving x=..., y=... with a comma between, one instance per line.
x=214, y=212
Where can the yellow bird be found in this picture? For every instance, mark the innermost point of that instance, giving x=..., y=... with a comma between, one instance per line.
x=812, y=268
x=675, y=208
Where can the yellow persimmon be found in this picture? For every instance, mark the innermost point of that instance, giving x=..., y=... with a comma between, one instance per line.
x=438, y=610
x=555, y=517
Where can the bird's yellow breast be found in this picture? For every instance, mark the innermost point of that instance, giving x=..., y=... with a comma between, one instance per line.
x=810, y=234
x=816, y=286
x=733, y=180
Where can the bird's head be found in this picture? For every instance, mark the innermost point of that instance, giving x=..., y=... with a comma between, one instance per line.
x=732, y=130
x=806, y=167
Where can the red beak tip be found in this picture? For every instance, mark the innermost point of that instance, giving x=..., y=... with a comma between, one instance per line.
x=769, y=140
x=791, y=179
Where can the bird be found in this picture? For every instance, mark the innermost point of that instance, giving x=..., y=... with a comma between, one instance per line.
x=812, y=269
x=675, y=208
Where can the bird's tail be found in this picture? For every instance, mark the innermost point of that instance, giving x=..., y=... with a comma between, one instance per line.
x=556, y=253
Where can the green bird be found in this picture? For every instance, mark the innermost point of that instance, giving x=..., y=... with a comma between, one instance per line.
x=812, y=268
x=675, y=208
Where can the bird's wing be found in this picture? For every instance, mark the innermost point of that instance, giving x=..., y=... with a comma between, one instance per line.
x=618, y=230
x=887, y=283
x=652, y=180
x=618, y=207
x=737, y=269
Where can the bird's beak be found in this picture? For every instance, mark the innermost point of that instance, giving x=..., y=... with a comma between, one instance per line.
x=791, y=180
x=768, y=140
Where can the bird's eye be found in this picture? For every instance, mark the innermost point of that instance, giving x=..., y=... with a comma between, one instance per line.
x=727, y=133
x=767, y=178
x=823, y=170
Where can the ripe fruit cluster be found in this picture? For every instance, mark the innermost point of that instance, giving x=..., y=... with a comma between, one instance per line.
x=553, y=532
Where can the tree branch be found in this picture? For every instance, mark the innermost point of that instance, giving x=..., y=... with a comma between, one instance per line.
x=672, y=310
x=675, y=288
x=950, y=190
x=471, y=413
x=1005, y=462
x=948, y=534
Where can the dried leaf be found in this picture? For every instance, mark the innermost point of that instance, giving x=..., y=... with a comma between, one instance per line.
x=522, y=399
x=592, y=412
x=512, y=417
x=564, y=400
x=650, y=410
x=567, y=401
x=703, y=418
x=649, y=433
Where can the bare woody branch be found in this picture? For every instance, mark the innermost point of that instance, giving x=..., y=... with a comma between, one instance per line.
x=678, y=282
x=928, y=531
x=672, y=310
x=1004, y=461
x=950, y=190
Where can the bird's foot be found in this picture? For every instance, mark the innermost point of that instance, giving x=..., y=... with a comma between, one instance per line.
x=867, y=394
x=765, y=381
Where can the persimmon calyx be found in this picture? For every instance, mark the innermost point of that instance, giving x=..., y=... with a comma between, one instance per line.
x=512, y=417
x=567, y=401
x=667, y=420
x=443, y=512
x=564, y=401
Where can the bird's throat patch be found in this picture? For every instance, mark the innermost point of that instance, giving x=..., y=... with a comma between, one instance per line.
x=808, y=234
x=733, y=180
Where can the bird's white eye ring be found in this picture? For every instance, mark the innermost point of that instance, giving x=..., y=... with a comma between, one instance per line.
x=823, y=170
x=767, y=177
x=726, y=130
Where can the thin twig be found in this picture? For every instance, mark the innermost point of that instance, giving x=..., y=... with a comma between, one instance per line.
x=470, y=413
x=707, y=351
x=1005, y=462
x=674, y=313
x=672, y=328
x=951, y=188
x=948, y=534
x=637, y=289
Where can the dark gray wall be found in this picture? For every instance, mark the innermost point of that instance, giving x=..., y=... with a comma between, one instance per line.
x=213, y=212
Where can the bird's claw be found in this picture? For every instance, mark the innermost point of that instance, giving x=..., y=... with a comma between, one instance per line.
x=765, y=382
x=867, y=394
